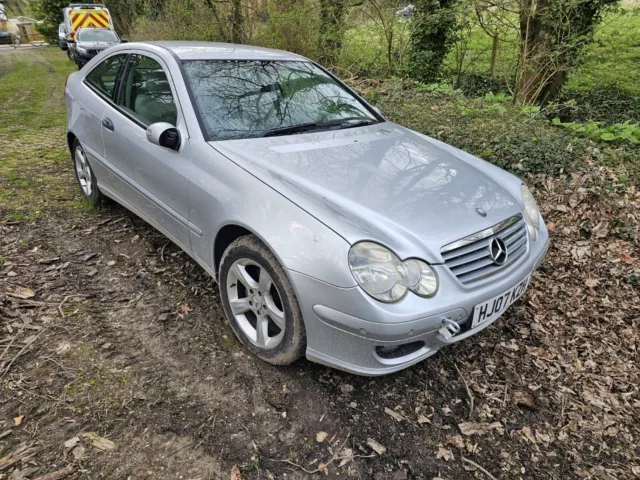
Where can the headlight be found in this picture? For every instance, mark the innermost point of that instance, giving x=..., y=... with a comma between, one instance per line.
x=385, y=277
x=81, y=50
x=531, y=212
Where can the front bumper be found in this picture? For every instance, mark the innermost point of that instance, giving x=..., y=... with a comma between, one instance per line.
x=83, y=58
x=348, y=330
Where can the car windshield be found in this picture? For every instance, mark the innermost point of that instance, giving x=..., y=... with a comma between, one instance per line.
x=90, y=35
x=244, y=99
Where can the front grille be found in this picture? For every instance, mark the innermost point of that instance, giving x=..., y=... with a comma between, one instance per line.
x=470, y=258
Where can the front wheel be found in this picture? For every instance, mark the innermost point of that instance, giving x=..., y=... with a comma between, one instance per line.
x=260, y=303
x=84, y=174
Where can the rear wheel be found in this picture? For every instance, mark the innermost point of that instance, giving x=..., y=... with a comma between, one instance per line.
x=84, y=174
x=260, y=303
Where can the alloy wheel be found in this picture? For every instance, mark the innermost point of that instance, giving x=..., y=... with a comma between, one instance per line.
x=256, y=303
x=84, y=171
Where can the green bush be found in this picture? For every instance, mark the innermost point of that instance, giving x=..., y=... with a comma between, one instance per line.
x=180, y=20
x=619, y=132
x=287, y=26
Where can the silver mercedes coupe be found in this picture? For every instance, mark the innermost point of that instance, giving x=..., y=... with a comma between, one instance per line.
x=332, y=232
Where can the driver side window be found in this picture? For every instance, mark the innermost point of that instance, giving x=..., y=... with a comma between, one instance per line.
x=145, y=92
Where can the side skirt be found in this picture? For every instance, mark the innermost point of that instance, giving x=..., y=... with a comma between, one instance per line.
x=112, y=195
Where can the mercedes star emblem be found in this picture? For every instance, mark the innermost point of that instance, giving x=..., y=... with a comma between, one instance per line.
x=498, y=251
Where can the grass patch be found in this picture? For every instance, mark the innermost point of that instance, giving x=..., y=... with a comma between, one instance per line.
x=18, y=217
x=84, y=205
x=612, y=60
x=32, y=133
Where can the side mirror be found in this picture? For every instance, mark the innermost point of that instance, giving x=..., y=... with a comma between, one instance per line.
x=164, y=134
x=123, y=40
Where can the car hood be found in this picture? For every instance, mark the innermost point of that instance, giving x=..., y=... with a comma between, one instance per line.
x=383, y=183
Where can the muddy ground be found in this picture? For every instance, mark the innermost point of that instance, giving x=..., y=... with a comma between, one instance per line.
x=117, y=361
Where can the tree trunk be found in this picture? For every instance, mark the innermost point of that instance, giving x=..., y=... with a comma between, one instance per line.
x=534, y=51
x=331, y=28
x=434, y=25
x=494, y=55
x=237, y=22
x=551, y=36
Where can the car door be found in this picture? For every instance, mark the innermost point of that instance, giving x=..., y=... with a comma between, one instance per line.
x=87, y=110
x=152, y=179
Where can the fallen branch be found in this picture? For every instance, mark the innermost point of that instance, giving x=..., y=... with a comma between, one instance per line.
x=64, y=472
x=8, y=346
x=65, y=299
x=293, y=464
x=6, y=370
x=466, y=386
x=479, y=467
x=162, y=252
x=23, y=453
x=334, y=457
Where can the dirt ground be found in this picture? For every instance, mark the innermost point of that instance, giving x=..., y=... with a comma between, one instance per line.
x=116, y=361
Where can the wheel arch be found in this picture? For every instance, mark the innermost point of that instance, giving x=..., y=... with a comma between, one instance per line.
x=225, y=237
x=70, y=139
x=228, y=234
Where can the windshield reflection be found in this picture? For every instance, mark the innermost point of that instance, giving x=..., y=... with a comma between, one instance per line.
x=243, y=99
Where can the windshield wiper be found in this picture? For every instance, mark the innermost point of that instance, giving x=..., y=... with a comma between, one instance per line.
x=356, y=122
x=305, y=127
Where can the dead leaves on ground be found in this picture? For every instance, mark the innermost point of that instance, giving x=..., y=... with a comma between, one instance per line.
x=561, y=376
x=376, y=446
x=471, y=428
x=23, y=293
x=99, y=442
x=235, y=473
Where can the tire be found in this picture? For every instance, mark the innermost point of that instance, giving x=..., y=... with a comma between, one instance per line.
x=70, y=55
x=84, y=174
x=248, y=255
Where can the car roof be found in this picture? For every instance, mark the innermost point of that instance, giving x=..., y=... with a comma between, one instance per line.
x=221, y=51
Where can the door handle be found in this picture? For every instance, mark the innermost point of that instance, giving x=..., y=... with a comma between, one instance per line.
x=108, y=124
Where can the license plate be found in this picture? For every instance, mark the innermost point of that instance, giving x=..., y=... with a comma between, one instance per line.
x=493, y=308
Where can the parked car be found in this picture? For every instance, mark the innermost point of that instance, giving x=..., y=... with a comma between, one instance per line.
x=7, y=38
x=89, y=42
x=331, y=231
x=62, y=36
x=407, y=11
